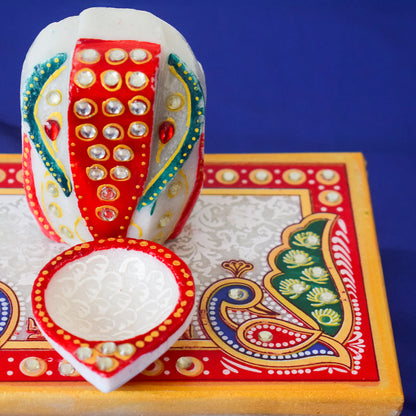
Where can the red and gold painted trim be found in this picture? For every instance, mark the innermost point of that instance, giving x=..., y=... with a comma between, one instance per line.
x=140, y=345
x=112, y=90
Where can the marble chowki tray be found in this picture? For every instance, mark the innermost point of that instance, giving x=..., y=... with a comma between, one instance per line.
x=292, y=315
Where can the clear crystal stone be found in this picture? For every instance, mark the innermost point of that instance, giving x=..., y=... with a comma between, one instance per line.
x=174, y=102
x=164, y=220
x=237, y=294
x=295, y=176
x=116, y=55
x=265, y=336
x=66, y=231
x=174, y=188
x=97, y=152
x=54, y=97
x=332, y=197
x=96, y=173
x=52, y=189
x=138, y=107
x=108, y=348
x=138, y=129
x=328, y=174
x=261, y=175
x=228, y=176
x=122, y=154
x=89, y=55
x=111, y=133
x=66, y=368
x=185, y=363
x=87, y=131
x=120, y=172
x=85, y=77
x=111, y=78
x=138, y=55
x=126, y=350
x=83, y=108
x=104, y=363
x=114, y=107
x=83, y=353
x=137, y=79
x=31, y=365
x=54, y=210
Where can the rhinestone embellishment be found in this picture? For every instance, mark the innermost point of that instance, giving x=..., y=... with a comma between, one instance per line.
x=52, y=189
x=166, y=131
x=137, y=79
x=31, y=364
x=97, y=152
x=265, y=336
x=120, y=172
x=328, y=174
x=174, y=102
x=138, y=107
x=295, y=176
x=237, y=294
x=114, y=107
x=54, y=97
x=138, y=55
x=111, y=78
x=116, y=55
x=111, y=133
x=104, y=363
x=108, y=193
x=125, y=350
x=83, y=353
x=332, y=197
x=138, y=129
x=96, y=173
x=108, y=348
x=123, y=154
x=66, y=369
x=89, y=55
x=88, y=131
x=83, y=108
x=85, y=78
x=107, y=214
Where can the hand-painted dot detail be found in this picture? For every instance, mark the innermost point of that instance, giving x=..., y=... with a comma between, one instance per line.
x=193, y=134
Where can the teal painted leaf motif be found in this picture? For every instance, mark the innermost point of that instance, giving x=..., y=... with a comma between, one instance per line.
x=191, y=138
x=36, y=133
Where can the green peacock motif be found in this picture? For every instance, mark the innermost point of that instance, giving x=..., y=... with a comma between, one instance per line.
x=305, y=280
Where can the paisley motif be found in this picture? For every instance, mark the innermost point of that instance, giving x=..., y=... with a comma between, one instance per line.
x=304, y=281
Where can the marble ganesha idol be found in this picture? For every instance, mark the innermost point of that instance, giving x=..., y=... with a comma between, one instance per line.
x=113, y=125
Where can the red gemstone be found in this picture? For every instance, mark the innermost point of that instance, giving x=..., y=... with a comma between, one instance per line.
x=107, y=193
x=166, y=131
x=107, y=214
x=52, y=128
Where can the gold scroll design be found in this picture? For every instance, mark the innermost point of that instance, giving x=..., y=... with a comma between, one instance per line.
x=14, y=313
x=337, y=341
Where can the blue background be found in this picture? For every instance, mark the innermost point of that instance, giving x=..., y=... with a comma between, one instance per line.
x=289, y=76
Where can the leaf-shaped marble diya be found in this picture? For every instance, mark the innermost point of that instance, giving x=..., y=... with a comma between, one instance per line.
x=113, y=123
x=111, y=307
